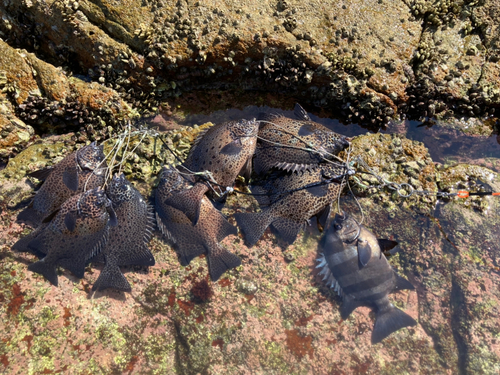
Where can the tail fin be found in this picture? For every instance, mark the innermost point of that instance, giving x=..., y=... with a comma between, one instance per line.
x=253, y=225
x=221, y=260
x=30, y=216
x=389, y=321
x=111, y=277
x=287, y=229
x=142, y=257
x=47, y=270
x=189, y=201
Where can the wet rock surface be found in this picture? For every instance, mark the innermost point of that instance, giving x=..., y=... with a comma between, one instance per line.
x=367, y=61
x=273, y=313
x=84, y=68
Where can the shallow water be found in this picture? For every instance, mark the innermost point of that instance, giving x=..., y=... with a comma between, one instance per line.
x=446, y=145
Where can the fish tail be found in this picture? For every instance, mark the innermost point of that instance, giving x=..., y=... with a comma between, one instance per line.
x=220, y=261
x=142, y=257
x=30, y=216
x=388, y=321
x=111, y=277
x=189, y=201
x=287, y=229
x=47, y=270
x=253, y=225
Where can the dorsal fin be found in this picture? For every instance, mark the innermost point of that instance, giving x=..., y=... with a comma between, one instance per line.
x=41, y=174
x=199, y=137
x=300, y=113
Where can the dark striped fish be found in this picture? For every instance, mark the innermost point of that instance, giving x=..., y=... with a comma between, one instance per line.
x=354, y=266
x=188, y=240
x=224, y=151
x=294, y=145
x=128, y=241
x=79, y=171
x=74, y=235
x=288, y=201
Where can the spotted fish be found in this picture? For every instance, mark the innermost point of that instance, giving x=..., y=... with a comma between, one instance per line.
x=294, y=145
x=79, y=171
x=288, y=201
x=127, y=242
x=224, y=151
x=353, y=264
x=74, y=235
x=191, y=241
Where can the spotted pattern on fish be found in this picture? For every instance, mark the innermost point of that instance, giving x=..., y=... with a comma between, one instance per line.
x=128, y=241
x=353, y=264
x=288, y=144
x=78, y=231
x=83, y=169
x=188, y=240
x=288, y=201
x=225, y=150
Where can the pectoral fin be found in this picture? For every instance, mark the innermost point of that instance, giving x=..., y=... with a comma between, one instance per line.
x=364, y=252
x=232, y=148
x=70, y=178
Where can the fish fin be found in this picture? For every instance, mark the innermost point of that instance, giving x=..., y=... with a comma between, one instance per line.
x=267, y=116
x=142, y=257
x=113, y=220
x=364, y=253
x=232, y=148
x=324, y=215
x=287, y=229
x=294, y=167
x=386, y=245
x=402, y=283
x=22, y=244
x=49, y=271
x=349, y=304
x=253, y=225
x=199, y=137
x=225, y=229
x=189, y=201
x=49, y=218
x=41, y=174
x=73, y=265
x=111, y=277
x=221, y=260
x=261, y=195
x=70, y=221
x=186, y=255
x=37, y=245
x=318, y=190
x=306, y=129
x=389, y=321
x=246, y=170
x=70, y=178
x=332, y=240
x=30, y=216
x=300, y=113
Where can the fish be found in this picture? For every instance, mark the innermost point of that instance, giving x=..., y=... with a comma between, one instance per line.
x=289, y=200
x=76, y=233
x=294, y=145
x=191, y=241
x=127, y=242
x=353, y=264
x=82, y=170
x=224, y=151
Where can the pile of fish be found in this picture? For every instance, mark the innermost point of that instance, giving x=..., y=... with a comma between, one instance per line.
x=294, y=174
x=77, y=220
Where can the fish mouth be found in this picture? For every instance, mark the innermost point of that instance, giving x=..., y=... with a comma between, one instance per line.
x=347, y=227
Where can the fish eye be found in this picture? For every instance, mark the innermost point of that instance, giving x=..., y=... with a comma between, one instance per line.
x=337, y=226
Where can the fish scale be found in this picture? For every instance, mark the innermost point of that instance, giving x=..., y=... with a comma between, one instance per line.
x=78, y=231
x=127, y=241
x=288, y=201
x=83, y=169
x=353, y=264
x=294, y=145
x=221, y=153
x=202, y=238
